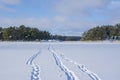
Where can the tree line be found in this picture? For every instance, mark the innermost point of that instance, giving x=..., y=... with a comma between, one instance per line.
x=105, y=32
x=66, y=38
x=23, y=33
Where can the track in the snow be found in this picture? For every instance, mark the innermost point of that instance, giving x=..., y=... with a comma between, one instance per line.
x=35, y=73
x=69, y=73
x=92, y=75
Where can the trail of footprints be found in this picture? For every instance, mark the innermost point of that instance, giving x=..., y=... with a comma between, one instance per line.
x=35, y=73
x=70, y=75
x=81, y=67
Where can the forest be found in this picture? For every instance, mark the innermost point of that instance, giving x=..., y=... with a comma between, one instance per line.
x=105, y=32
x=23, y=33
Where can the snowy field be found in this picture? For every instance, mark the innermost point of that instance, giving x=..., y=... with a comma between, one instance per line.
x=59, y=61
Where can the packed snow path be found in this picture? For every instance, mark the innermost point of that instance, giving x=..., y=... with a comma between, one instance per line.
x=92, y=75
x=69, y=74
x=35, y=75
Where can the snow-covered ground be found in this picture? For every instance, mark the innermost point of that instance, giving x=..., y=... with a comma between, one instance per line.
x=59, y=61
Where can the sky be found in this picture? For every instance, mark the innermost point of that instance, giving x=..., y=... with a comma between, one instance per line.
x=64, y=17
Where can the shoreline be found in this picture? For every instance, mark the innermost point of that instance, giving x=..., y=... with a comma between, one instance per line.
x=64, y=42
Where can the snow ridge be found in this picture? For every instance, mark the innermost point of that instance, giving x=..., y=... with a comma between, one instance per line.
x=35, y=73
x=92, y=75
x=69, y=74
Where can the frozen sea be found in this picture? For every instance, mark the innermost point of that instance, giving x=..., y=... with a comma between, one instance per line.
x=59, y=61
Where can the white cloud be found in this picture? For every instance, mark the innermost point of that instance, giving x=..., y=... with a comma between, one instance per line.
x=115, y=4
x=10, y=2
x=113, y=12
x=108, y=13
x=56, y=25
x=78, y=6
x=4, y=3
x=3, y=7
x=25, y=21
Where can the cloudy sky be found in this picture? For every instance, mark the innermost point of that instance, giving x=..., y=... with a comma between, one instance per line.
x=66, y=17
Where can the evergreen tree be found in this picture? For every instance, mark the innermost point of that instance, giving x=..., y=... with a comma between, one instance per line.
x=23, y=33
x=102, y=32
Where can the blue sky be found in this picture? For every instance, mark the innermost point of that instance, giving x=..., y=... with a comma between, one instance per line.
x=65, y=17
